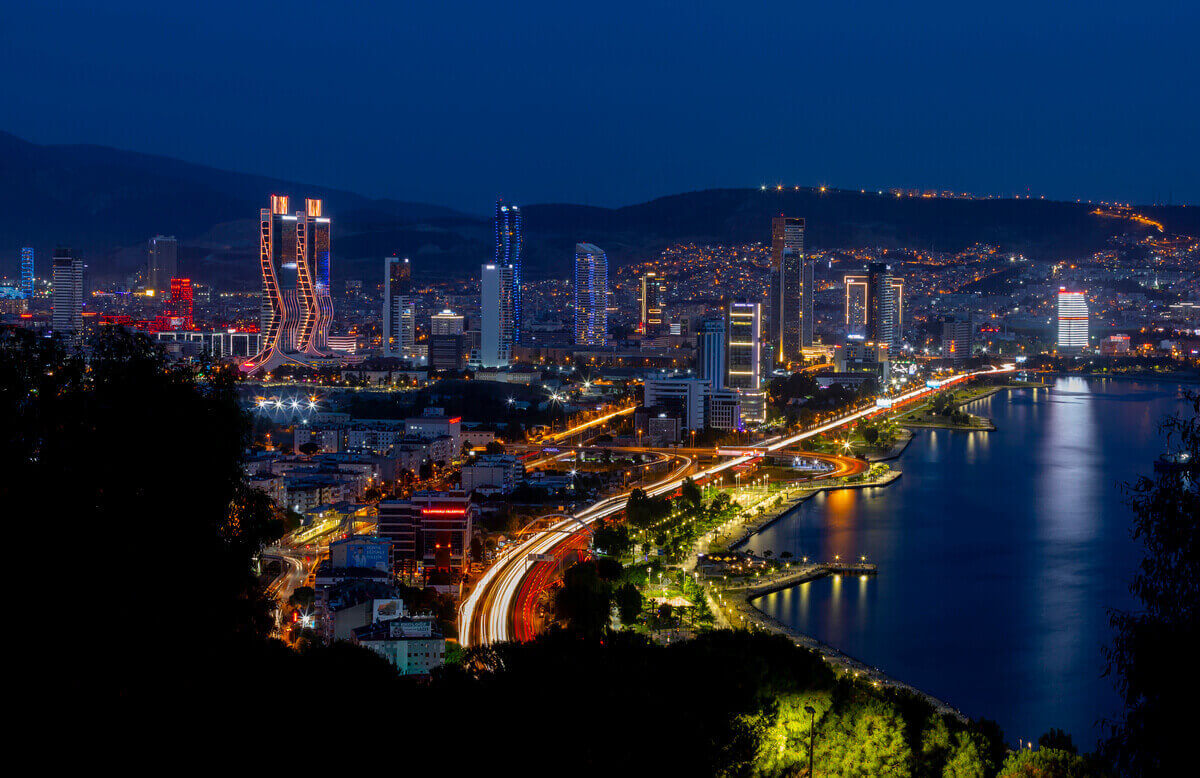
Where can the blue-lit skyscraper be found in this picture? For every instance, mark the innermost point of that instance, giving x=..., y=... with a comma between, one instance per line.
x=508, y=254
x=26, y=286
x=591, y=295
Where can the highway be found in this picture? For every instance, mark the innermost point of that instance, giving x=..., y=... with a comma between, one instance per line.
x=485, y=616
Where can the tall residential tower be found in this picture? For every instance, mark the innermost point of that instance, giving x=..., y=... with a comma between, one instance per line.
x=66, y=316
x=162, y=263
x=591, y=295
x=508, y=253
x=791, y=290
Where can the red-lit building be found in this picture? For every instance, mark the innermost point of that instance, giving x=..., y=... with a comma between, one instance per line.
x=429, y=531
x=178, y=307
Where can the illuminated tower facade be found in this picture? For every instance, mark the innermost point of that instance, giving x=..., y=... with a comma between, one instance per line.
x=744, y=359
x=591, y=295
x=508, y=254
x=791, y=290
x=292, y=249
x=881, y=305
x=315, y=252
x=66, y=316
x=1072, y=320
x=26, y=286
x=496, y=315
x=399, y=307
x=653, y=299
x=179, y=305
x=857, y=300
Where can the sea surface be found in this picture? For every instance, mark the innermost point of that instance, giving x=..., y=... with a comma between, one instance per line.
x=1000, y=554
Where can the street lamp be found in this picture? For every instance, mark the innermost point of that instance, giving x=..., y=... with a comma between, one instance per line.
x=812, y=735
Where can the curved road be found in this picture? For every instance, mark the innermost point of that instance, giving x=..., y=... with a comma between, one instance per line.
x=486, y=614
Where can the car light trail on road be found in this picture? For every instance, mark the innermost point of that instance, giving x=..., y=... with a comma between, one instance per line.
x=492, y=599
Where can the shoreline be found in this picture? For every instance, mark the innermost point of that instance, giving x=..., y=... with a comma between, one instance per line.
x=1151, y=377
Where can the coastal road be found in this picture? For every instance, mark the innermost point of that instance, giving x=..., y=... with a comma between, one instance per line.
x=485, y=616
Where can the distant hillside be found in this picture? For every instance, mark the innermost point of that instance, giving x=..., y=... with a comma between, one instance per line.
x=106, y=203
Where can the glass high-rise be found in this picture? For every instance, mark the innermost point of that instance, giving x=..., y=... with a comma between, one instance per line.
x=791, y=290
x=496, y=315
x=162, y=263
x=881, y=305
x=66, y=317
x=399, y=307
x=508, y=254
x=652, y=298
x=743, y=359
x=1072, y=320
x=591, y=295
x=26, y=284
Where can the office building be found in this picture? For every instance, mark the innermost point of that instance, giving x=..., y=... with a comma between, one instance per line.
x=652, y=297
x=743, y=357
x=447, y=352
x=26, y=284
x=496, y=314
x=881, y=305
x=857, y=301
x=693, y=402
x=412, y=645
x=1114, y=345
x=710, y=352
x=398, y=304
x=591, y=295
x=293, y=255
x=791, y=290
x=162, y=263
x=957, y=337
x=857, y=356
x=1072, y=320
x=66, y=318
x=508, y=254
x=428, y=531
x=446, y=323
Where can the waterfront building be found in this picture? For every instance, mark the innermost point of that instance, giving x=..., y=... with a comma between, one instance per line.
x=66, y=316
x=26, y=284
x=744, y=360
x=710, y=352
x=162, y=263
x=591, y=295
x=652, y=298
x=1072, y=320
x=496, y=315
x=857, y=356
x=509, y=231
x=791, y=290
x=958, y=334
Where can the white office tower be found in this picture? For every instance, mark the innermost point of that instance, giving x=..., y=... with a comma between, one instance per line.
x=446, y=323
x=67, y=301
x=591, y=295
x=397, y=298
x=744, y=360
x=496, y=313
x=710, y=352
x=1072, y=320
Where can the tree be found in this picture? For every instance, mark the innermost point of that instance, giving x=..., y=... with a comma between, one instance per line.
x=1153, y=645
x=310, y=448
x=968, y=758
x=690, y=493
x=585, y=600
x=861, y=737
x=611, y=539
x=1057, y=739
x=629, y=603
x=494, y=447
x=68, y=434
x=1045, y=763
x=870, y=434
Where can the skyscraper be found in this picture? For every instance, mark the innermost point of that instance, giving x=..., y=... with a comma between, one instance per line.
x=881, y=305
x=710, y=352
x=316, y=254
x=791, y=289
x=67, y=302
x=496, y=312
x=446, y=323
x=591, y=295
x=291, y=251
x=857, y=297
x=1072, y=320
x=26, y=286
x=653, y=300
x=957, y=337
x=161, y=263
x=744, y=359
x=399, y=307
x=508, y=253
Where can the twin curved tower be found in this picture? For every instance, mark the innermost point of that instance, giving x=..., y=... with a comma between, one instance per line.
x=297, y=308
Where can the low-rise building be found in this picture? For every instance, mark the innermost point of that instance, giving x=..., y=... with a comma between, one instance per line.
x=501, y=472
x=414, y=646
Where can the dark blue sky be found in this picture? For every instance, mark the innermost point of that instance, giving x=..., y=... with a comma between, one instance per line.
x=612, y=103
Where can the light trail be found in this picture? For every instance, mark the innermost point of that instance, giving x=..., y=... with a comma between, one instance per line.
x=496, y=590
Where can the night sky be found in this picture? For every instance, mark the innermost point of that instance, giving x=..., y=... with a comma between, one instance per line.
x=613, y=103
